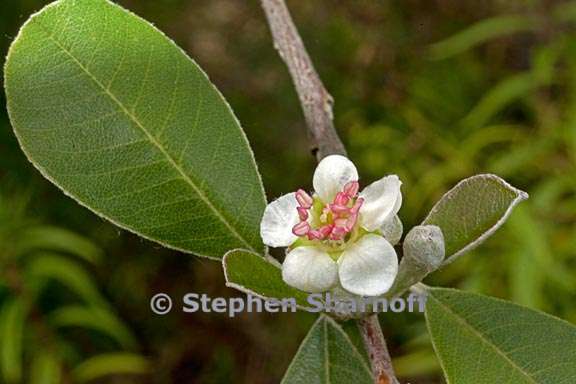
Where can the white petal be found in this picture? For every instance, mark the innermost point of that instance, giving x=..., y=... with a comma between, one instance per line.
x=279, y=218
x=382, y=200
x=331, y=174
x=392, y=230
x=368, y=267
x=310, y=269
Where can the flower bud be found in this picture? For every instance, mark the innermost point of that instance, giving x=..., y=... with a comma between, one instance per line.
x=423, y=253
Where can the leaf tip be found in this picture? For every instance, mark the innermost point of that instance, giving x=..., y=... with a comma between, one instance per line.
x=522, y=195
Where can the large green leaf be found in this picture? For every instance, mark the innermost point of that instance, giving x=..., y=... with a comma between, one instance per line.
x=253, y=274
x=481, y=340
x=472, y=211
x=327, y=356
x=116, y=115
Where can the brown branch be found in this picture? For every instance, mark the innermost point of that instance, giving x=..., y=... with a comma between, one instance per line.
x=377, y=350
x=316, y=102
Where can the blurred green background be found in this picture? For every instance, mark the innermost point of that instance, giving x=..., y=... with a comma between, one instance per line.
x=433, y=91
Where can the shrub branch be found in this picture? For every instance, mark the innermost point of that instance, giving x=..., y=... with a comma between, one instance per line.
x=316, y=102
x=317, y=105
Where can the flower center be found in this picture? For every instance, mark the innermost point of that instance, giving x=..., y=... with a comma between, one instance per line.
x=331, y=221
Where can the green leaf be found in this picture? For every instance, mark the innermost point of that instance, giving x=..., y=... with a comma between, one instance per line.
x=531, y=247
x=482, y=340
x=110, y=364
x=502, y=94
x=522, y=157
x=115, y=114
x=327, y=356
x=472, y=211
x=45, y=369
x=66, y=272
x=12, y=319
x=57, y=239
x=481, y=32
x=253, y=274
x=93, y=318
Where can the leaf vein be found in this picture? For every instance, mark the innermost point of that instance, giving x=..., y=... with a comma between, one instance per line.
x=161, y=148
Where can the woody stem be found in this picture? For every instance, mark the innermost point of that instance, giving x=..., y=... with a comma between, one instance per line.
x=317, y=105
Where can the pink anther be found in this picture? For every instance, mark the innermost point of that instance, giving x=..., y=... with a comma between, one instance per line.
x=340, y=222
x=301, y=228
x=302, y=213
x=337, y=218
x=351, y=188
x=338, y=233
x=339, y=209
x=304, y=199
x=325, y=230
x=351, y=221
x=314, y=234
x=341, y=198
x=357, y=205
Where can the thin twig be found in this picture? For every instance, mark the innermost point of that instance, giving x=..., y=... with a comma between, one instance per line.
x=317, y=106
x=377, y=350
x=316, y=102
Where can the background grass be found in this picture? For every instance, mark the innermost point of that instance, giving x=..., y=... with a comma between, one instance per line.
x=433, y=91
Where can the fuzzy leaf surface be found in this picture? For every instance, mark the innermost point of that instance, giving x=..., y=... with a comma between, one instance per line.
x=481, y=340
x=121, y=119
x=327, y=356
x=472, y=211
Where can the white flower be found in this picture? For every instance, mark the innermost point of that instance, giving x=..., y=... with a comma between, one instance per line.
x=338, y=237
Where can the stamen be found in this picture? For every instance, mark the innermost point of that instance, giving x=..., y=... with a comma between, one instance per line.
x=341, y=222
x=351, y=221
x=301, y=228
x=314, y=234
x=351, y=188
x=304, y=199
x=336, y=219
x=338, y=233
x=339, y=209
x=357, y=205
x=341, y=198
x=325, y=230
